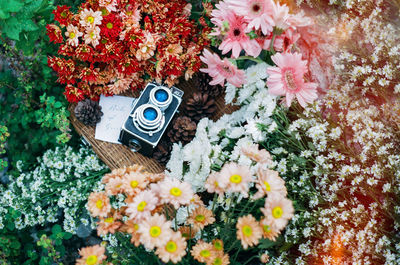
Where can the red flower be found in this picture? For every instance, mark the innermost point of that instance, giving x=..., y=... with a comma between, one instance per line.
x=133, y=38
x=85, y=52
x=111, y=26
x=62, y=15
x=54, y=33
x=73, y=94
x=88, y=74
x=128, y=66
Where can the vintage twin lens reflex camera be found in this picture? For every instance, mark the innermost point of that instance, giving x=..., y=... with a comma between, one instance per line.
x=149, y=118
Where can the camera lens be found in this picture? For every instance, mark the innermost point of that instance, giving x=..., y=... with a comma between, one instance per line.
x=148, y=118
x=134, y=145
x=150, y=114
x=161, y=97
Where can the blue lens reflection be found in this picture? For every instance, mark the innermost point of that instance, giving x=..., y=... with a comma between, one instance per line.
x=150, y=114
x=161, y=95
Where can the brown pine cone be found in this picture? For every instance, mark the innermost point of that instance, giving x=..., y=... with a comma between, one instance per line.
x=203, y=83
x=163, y=152
x=200, y=105
x=183, y=130
x=89, y=112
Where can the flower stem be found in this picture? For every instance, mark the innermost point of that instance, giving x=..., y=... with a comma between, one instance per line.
x=271, y=47
x=257, y=60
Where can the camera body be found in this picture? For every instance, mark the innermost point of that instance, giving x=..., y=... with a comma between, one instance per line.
x=149, y=117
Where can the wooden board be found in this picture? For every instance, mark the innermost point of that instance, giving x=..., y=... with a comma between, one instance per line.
x=116, y=155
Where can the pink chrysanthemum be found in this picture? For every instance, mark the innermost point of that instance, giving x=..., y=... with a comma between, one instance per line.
x=91, y=255
x=278, y=210
x=220, y=70
x=287, y=79
x=173, y=191
x=90, y=18
x=155, y=231
x=237, y=40
x=142, y=205
x=269, y=183
x=73, y=35
x=256, y=12
x=235, y=178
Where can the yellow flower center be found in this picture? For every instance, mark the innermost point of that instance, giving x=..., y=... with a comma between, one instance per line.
x=216, y=184
x=141, y=206
x=136, y=226
x=155, y=231
x=109, y=25
x=236, y=179
x=217, y=261
x=90, y=19
x=72, y=35
x=267, y=186
x=205, y=253
x=99, y=204
x=277, y=212
x=92, y=35
x=109, y=220
x=91, y=260
x=247, y=231
x=267, y=228
x=175, y=192
x=218, y=245
x=200, y=218
x=134, y=184
x=63, y=14
x=171, y=246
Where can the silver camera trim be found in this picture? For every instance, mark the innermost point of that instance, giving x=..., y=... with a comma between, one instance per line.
x=162, y=105
x=144, y=125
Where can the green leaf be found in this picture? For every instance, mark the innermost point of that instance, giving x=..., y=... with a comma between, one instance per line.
x=67, y=235
x=11, y=5
x=4, y=15
x=12, y=28
x=56, y=229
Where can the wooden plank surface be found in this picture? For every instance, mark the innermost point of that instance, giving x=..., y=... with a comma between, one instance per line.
x=116, y=155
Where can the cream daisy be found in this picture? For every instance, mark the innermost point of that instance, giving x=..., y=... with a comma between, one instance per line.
x=269, y=183
x=99, y=204
x=132, y=228
x=212, y=185
x=134, y=183
x=142, y=205
x=235, y=178
x=110, y=5
x=114, y=186
x=248, y=231
x=175, y=192
x=91, y=255
x=269, y=231
x=90, y=18
x=155, y=231
x=109, y=224
x=92, y=36
x=203, y=252
x=173, y=250
x=73, y=35
x=221, y=259
x=261, y=156
x=278, y=210
x=200, y=217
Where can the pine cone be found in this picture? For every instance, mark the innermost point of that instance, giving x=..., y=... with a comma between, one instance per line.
x=183, y=130
x=89, y=112
x=200, y=105
x=203, y=83
x=163, y=152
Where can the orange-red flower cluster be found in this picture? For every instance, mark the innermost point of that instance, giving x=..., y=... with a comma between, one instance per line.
x=131, y=40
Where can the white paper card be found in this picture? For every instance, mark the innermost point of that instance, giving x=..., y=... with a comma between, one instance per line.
x=116, y=109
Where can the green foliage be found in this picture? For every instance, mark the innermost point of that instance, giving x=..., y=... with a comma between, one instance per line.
x=24, y=21
x=3, y=138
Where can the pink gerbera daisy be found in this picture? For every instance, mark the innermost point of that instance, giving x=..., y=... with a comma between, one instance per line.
x=237, y=40
x=256, y=12
x=175, y=192
x=142, y=205
x=287, y=79
x=220, y=70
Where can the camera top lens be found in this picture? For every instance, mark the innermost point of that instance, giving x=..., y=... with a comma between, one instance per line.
x=150, y=114
x=161, y=95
